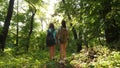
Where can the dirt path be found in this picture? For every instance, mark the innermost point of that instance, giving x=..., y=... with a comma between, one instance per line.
x=56, y=64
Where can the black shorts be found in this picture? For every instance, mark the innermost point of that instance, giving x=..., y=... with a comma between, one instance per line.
x=50, y=43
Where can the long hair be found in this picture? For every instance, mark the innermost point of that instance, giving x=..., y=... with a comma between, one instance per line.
x=63, y=24
x=51, y=26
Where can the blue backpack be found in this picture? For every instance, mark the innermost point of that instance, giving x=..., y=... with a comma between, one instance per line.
x=50, y=40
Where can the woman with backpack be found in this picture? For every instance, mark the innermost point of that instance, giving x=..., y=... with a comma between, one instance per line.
x=63, y=38
x=50, y=40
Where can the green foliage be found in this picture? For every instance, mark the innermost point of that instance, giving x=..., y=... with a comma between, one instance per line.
x=3, y=8
x=90, y=17
x=32, y=59
x=39, y=40
x=35, y=2
x=103, y=58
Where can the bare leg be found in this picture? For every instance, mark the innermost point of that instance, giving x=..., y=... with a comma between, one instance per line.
x=64, y=50
x=61, y=51
x=52, y=49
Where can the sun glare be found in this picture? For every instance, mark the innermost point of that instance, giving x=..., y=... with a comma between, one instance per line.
x=48, y=12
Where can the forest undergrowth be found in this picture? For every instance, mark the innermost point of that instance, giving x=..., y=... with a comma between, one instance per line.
x=95, y=57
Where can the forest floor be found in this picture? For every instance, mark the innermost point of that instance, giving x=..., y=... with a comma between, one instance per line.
x=56, y=64
x=97, y=57
x=33, y=59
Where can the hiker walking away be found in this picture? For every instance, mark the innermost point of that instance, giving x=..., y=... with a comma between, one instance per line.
x=50, y=40
x=63, y=38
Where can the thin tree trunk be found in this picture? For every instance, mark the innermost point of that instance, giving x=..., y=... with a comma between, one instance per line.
x=17, y=24
x=31, y=25
x=111, y=30
x=78, y=42
x=4, y=33
x=31, y=29
x=106, y=9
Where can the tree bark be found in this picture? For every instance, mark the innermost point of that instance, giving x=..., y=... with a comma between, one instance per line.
x=4, y=32
x=31, y=25
x=31, y=30
x=78, y=42
x=111, y=28
x=17, y=32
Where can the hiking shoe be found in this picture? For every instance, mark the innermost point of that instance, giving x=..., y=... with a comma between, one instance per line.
x=61, y=61
x=65, y=59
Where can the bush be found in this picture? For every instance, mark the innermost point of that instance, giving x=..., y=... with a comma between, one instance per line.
x=102, y=58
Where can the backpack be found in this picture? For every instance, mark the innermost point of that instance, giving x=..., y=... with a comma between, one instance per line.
x=63, y=35
x=50, y=40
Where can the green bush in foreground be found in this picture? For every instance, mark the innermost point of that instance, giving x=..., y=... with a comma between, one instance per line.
x=97, y=57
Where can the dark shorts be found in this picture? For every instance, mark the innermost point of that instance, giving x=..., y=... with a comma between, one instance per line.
x=62, y=41
x=50, y=43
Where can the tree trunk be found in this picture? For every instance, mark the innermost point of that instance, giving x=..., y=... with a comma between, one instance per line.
x=31, y=29
x=4, y=33
x=78, y=39
x=74, y=33
x=17, y=24
x=78, y=42
x=111, y=30
x=31, y=25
